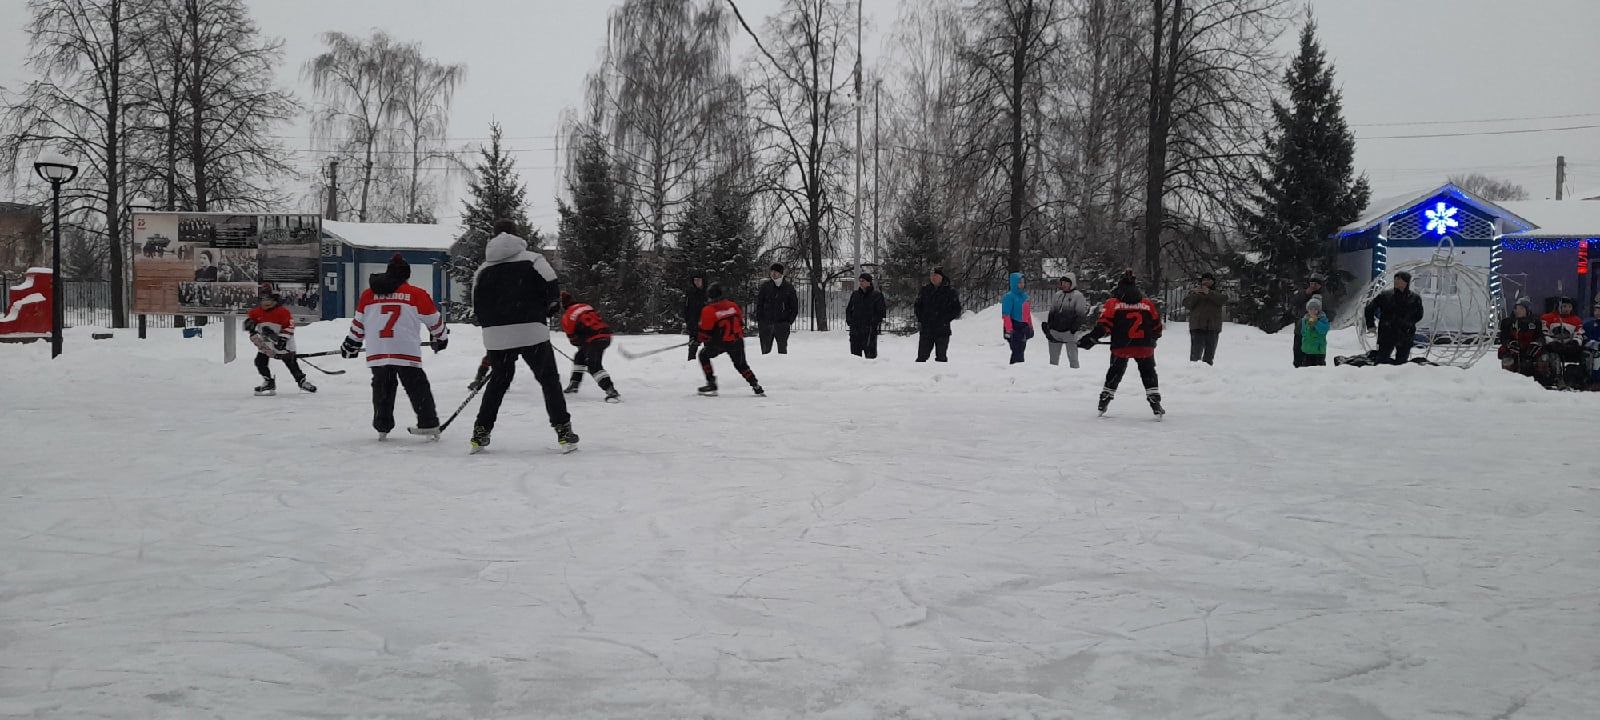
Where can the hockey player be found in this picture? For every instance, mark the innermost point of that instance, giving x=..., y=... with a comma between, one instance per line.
x=271, y=329
x=1134, y=325
x=1521, y=339
x=390, y=318
x=590, y=334
x=514, y=295
x=722, y=331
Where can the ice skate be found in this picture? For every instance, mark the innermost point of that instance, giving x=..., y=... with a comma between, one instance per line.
x=757, y=388
x=1154, y=397
x=431, y=433
x=567, y=438
x=268, y=386
x=1105, y=400
x=305, y=385
x=480, y=439
x=709, y=389
x=383, y=437
x=612, y=396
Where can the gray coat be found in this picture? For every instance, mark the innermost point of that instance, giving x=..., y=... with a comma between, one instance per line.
x=1069, y=302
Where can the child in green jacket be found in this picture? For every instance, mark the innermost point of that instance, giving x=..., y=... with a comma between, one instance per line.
x=1314, y=334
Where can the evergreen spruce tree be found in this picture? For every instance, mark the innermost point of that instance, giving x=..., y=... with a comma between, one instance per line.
x=719, y=240
x=494, y=193
x=1307, y=192
x=916, y=243
x=600, y=254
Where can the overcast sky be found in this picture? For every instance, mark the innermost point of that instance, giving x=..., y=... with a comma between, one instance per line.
x=1408, y=67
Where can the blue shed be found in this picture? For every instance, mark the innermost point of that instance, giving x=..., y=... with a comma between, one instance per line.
x=352, y=251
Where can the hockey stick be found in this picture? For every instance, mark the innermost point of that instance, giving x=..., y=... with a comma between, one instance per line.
x=562, y=352
x=313, y=366
x=648, y=353
x=317, y=354
x=461, y=407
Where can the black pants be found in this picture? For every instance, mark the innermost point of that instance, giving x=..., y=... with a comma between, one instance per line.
x=541, y=359
x=1147, y=373
x=385, y=379
x=262, y=366
x=693, y=329
x=1203, y=345
x=589, y=358
x=1299, y=357
x=864, y=343
x=1394, y=345
x=735, y=351
x=773, y=331
x=934, y=341
x=1019, y=345
x=1311, y=360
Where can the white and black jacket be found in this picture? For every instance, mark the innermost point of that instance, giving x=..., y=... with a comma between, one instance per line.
x=513, y=293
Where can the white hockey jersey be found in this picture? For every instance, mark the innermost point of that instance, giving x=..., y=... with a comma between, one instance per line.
x=391, y=325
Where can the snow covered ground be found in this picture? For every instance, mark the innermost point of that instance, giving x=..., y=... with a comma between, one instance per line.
x=876, y=539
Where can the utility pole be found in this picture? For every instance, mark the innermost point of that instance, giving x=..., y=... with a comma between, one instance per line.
x=332, y=210
x=1561, y=175
x=860, y=100
x=877, y=248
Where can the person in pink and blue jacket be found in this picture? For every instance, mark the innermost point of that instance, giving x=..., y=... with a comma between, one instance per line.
x=1017, y=314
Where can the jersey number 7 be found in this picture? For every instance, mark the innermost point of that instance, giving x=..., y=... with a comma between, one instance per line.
x=393, y=311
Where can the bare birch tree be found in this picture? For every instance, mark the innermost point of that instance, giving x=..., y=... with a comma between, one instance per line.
x=805, y=70
x=358, y=81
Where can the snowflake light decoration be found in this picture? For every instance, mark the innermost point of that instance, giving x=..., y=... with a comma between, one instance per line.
x=1441, y=218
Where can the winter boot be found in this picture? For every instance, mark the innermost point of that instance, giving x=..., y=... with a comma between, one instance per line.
x=710, y=388
x=431, y=433
x=1154, y=396
x=305, y=384
x=1105, y=399
x=480, y=439
x=577, y=380
x=268, y=386
x=567, y=438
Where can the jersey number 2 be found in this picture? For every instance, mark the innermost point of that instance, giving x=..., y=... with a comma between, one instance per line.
x=393, y=311
x=1135, y=330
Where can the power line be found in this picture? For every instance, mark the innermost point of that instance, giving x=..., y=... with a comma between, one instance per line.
x=1478, y=133
x=1482, y=120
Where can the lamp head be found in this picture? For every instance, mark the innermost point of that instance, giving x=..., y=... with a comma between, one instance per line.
x=54, y=167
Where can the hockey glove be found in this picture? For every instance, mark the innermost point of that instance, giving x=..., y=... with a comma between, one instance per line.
x=250, y=327
x=478, y=381
x=1087, y=341
x=350, y=349
x=440, y=344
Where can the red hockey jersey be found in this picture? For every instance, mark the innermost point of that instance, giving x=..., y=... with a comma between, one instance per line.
x=1562, y=328
x=1133, y=327
x=391, y=324
x=721, y=322
x=277, y=321
x=583, y=324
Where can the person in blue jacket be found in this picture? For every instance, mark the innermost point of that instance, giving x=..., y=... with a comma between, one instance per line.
x=1017, y=314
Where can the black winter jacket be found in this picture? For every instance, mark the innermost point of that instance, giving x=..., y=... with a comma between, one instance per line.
x=777, y=303
x=866, y=310
x=1398, y=312
x=694, y=299
x=937, y=306
x=514, y=294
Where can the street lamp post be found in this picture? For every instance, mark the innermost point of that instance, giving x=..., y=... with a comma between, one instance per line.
x=136, y=205
x=56, y=169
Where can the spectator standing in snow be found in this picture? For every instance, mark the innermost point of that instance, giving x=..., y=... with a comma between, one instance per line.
x=1204, y=303
x=1017, y=316
x=1313, y=289
x=864, y=315
x=694, y=300
x=1314, y=335
x=1069, y=311
x=1397, y=312
x=777, y=306
x=937, y=306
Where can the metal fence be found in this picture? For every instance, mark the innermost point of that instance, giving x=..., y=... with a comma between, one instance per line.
x=86, y=303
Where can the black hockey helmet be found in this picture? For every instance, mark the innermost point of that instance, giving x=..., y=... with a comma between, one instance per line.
x=714, y=292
